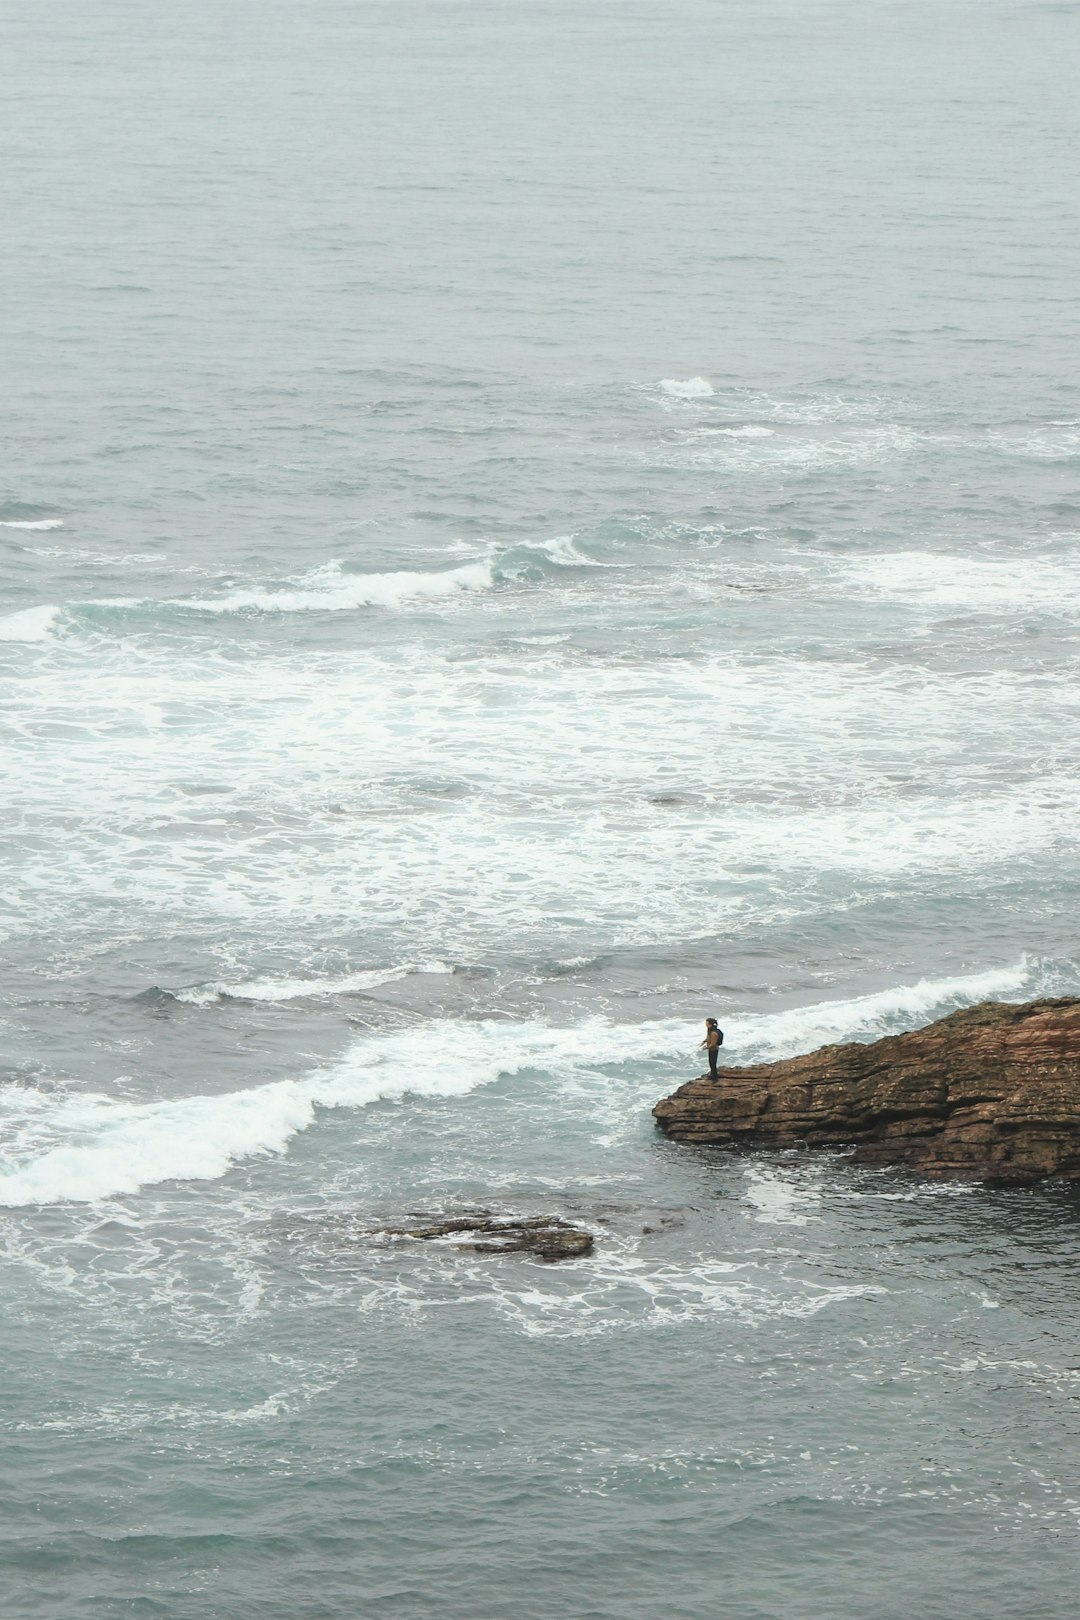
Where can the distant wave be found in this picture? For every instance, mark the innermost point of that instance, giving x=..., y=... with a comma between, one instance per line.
x=85, y=1148
x=31, y=624
x=690, y=388
x=330, y=589
x=205, y=995
x=562, y=550
x=31, y=523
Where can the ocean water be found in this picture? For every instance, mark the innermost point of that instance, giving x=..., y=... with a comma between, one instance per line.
x=524, y=526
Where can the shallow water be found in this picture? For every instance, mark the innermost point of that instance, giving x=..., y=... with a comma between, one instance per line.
x=524, y=527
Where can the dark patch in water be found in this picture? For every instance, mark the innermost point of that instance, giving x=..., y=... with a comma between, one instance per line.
x=545, y=1237
x=549, y=1238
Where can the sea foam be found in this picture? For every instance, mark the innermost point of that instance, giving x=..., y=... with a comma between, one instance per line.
x=294, y=989
x=330, y=589
x=688, y=388
x=31, y=624
x=90, y=1148
x=765, y=1037
x=1009, y=584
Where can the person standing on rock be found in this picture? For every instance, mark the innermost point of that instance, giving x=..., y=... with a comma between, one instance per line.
x=714, y=1040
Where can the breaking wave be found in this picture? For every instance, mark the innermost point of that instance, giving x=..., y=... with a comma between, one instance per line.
x=770, y=1036
x=690, y=388
x=274, y=990
x=93, y=1147
x=331, y=590
x=30, y=624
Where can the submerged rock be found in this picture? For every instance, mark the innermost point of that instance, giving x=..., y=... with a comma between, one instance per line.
x=990, y=1093
x=546, y=1237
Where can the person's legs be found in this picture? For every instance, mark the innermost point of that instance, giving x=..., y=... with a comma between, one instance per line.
x=713, y=1057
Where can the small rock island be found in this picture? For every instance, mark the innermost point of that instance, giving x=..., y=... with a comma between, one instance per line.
x=990, y=1093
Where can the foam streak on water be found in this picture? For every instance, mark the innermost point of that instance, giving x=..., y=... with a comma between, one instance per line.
x=90, y=1147
x=522, y=528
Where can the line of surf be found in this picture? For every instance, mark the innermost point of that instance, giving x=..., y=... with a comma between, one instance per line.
x=294, y=989
x=89, y=1148
x=94, y=1147
x=331, y=588
x=767, y=1037
x=325, y=590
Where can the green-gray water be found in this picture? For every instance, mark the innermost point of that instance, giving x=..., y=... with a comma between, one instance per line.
x=523, y=526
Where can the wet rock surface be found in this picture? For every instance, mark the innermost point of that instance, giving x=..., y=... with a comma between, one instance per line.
x=332, y=1237
x=989, y=1093
x=545, y=1237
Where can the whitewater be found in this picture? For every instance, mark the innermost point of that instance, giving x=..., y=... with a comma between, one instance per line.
x=523, y=528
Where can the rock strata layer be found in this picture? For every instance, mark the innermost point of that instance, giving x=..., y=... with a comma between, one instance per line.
x=990, y=1093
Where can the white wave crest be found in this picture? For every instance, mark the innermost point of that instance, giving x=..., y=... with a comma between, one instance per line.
x=1013, y=583
x=769, y=1036
x=205, y=995
x=36, y=523
x=689, y=388
x=331, y=590
x=89, y=1148
x=31, y=624
x=563, y=550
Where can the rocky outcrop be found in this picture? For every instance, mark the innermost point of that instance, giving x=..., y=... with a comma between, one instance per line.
x=545, y=1237
x=991, y=1093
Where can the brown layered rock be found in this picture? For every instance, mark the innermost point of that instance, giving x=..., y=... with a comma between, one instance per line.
x=990, y=1093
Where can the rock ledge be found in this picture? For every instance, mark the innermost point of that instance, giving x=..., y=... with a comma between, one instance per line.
x=990, y=1093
